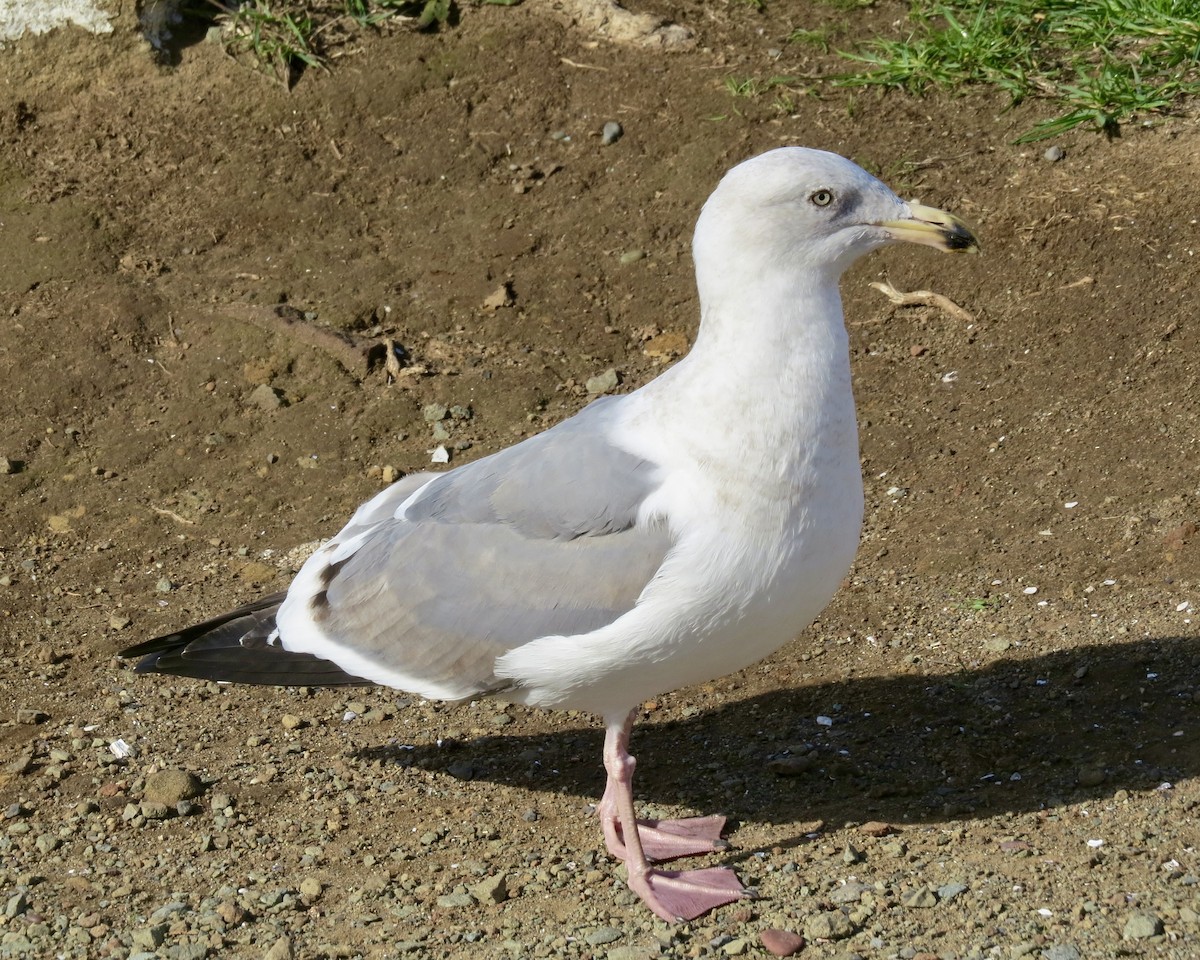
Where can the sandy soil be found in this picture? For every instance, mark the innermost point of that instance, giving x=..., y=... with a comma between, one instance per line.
x=1011, y=671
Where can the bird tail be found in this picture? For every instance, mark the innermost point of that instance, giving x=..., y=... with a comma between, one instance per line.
x=237, y=647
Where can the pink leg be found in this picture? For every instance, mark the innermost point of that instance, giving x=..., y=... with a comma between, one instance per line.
x=661, y=839
x=673, y=895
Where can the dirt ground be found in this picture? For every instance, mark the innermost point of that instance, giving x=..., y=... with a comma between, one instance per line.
x=1011, y=672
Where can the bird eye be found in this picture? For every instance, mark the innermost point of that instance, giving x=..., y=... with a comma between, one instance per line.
x=822, y=198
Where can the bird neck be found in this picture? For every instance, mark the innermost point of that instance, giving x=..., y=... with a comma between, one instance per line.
x=779, y=344
x=767, y=384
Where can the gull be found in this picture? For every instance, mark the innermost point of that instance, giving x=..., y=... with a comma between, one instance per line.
x=652, y=541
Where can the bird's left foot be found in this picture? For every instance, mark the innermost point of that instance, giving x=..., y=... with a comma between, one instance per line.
x=668, y=839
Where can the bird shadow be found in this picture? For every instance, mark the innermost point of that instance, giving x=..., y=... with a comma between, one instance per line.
x=1022, y=734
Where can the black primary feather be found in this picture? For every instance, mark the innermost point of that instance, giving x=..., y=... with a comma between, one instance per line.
x=235, y=647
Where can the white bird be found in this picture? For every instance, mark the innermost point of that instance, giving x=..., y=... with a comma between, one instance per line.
x=653, y=541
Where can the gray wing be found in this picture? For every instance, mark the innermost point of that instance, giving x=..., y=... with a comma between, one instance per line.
x=539, y=539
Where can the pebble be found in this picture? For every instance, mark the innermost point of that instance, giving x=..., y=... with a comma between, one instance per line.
x=603, y=935
x=8, y=466
x=781, y=943
x=603, y=382
x=491, y=889
x=833, y=925
x=1061, y=951
x=433, y=412
x=172, y=786
x=920, y=898
x=948, y=891
x=1141, y=926
x=153, y=810
x=164, y=586
x=632, y=256
x=611, y=133
x=849, y=892
x=1054, y=154
x=265, y=397
x=187, y=951
x=790, y=766
x=311, y=887
x=291, y=722
x=16, y=905
x=281, y=949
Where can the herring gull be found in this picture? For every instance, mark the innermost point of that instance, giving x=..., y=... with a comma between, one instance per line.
x=652, y=541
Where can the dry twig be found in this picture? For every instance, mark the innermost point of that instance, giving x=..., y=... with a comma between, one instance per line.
x=924, y=298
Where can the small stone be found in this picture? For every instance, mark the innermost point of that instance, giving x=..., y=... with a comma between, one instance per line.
x=164, y=586
x=31, y=717
x=611, y=133
x=47, y=843
x=265, y=397
x=187, y=951
x=603, y=935
x=948, y=891
x=849, y=892
x=491, y=889
x=781, y=943
x=920, y=898
x=150, y=938
x=1061, y=951
x=434, y=412
x=502, y=296
x=632, y=256
x=16, y=905
x=833, y=925
x=389, y=474
x=8, y=467
x=170, y=787
x=153, y=810
x=736, y=947
x=603, y=382
x=1141, y=926
x=460, y=412
x=291, y=722
x=1054, y=154
x=876, y=828
x=311, y=887
x=118, y=622
x=441, y=432
x=281, y=949
x=851, y=854
x=790, y=766
x=453, y=901
x=1091, y=776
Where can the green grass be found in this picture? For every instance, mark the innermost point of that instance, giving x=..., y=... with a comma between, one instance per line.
x=285, y=36
x=276, y=40
x=1104, y=62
